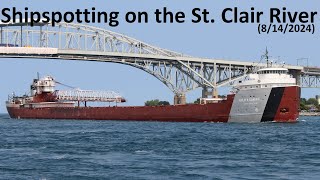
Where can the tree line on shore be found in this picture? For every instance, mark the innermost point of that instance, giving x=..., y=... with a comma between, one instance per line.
x=156, y=102
x=309, y=104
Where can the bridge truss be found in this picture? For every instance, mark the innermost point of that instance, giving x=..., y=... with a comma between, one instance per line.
x=179, y=72
x=310, y=77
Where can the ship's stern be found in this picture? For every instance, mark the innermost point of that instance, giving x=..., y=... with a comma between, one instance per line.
x=12, y=108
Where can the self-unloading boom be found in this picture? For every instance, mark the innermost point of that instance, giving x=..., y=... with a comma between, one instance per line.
x=89, y=95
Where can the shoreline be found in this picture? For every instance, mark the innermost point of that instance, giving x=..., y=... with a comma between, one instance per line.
x=309, y=113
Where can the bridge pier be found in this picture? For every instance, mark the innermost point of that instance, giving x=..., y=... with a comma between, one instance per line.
x=209, y=93
x=180, y=99
x=297, y=75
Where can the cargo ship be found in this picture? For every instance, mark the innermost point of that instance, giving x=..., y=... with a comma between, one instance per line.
x=270, y=94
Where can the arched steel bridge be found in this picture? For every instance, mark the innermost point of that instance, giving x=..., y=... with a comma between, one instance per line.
x=179, y=72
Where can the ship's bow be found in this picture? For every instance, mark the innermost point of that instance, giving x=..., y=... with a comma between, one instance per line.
x=288, y=108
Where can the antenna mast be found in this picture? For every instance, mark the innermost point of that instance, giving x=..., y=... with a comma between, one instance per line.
x=267, y=56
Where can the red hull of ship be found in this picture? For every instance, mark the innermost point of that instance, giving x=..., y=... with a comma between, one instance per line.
x=218, y=112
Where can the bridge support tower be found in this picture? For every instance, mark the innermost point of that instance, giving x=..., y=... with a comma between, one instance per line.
x=180, y=99
x=209, y=93
x=297, y=75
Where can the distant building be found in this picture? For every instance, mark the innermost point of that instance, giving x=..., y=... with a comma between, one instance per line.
x=312, y=108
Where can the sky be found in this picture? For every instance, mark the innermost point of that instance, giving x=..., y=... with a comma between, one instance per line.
x=219, y=40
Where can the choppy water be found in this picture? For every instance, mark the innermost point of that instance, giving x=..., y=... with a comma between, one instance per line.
x=47, y=149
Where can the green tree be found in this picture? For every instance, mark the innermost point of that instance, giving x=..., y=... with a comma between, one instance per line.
x=303, y=106
x=312, y=101
x=197, y=101
x=303, y=100
x=164, y=103
x=156, y=102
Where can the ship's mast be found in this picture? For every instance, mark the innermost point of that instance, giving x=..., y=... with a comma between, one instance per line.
x=267, y=57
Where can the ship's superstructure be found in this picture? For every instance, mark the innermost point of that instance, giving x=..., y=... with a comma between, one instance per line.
x=44, y=95
x=270, y=94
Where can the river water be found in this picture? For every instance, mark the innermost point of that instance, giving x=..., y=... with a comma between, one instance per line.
x=67, y=149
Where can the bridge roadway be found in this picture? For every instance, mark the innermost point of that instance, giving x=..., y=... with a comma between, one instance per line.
x=179, y=72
